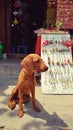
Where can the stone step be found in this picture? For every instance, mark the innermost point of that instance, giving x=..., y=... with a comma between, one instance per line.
x=10, y=66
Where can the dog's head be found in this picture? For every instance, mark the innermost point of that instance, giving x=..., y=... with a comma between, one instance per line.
x=34, y=62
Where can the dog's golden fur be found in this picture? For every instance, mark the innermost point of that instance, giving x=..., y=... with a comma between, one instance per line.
x=26, y=83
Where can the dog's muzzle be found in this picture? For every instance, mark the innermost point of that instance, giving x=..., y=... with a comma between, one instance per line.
x=45, y=69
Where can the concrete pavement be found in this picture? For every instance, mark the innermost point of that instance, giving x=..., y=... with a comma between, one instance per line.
x=56, y=110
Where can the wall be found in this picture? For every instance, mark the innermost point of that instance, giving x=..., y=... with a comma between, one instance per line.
x=5, y=24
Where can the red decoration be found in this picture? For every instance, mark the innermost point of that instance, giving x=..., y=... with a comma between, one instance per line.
x=45, y=43
x=38, y=45
x=72, y=41
x=16, y=5
x=67, y=43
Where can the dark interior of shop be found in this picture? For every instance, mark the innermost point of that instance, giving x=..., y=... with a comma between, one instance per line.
x=32, y=16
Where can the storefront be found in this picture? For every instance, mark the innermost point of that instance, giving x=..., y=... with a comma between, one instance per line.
x=18, y=20
x=54, y=44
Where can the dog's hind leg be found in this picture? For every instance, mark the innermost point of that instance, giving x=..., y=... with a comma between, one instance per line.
x=13, y=98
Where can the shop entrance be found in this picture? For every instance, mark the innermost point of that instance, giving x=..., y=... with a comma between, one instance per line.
x=26, y=16
x=21, y=31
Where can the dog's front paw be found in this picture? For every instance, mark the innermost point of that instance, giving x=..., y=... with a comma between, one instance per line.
x=36, y=108
x=20, y=113
x=12, y=105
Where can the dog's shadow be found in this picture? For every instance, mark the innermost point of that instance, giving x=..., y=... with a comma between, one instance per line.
x=39, y=119
x=51, y=120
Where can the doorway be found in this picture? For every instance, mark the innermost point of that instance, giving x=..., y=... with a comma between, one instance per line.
x=26, y=16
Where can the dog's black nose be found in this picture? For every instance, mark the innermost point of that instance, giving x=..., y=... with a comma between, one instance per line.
x=46, y=68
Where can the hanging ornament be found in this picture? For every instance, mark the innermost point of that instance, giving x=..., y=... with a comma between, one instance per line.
x=19, y=2
x=16, y=5
x=15, y=21
x=20, y=12
x=15, y=13
x=58, y=24
x=67, y=43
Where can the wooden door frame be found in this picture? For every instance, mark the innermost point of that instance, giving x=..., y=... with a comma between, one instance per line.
x=5, y=25
x=8, y=26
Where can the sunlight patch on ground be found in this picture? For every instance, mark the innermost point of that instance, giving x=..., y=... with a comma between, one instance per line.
x=9, y=89
x=2, y=98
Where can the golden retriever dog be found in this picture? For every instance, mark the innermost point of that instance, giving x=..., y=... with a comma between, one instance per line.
x=26, y=83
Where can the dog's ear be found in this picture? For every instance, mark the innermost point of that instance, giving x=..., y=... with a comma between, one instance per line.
x=23, y=63
x=35, y=59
